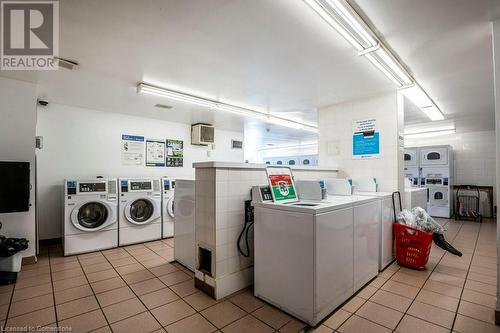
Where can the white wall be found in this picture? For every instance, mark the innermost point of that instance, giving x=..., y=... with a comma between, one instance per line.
x=82, y=143
x=474, y=153
x=17, y=143
x=335, y=129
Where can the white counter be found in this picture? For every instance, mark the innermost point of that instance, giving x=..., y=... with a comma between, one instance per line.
x=235, y=165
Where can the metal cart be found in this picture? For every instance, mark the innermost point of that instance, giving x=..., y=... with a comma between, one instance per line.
x=467, y=204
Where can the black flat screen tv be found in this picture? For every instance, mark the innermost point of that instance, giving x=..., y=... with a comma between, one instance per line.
x=14, y=187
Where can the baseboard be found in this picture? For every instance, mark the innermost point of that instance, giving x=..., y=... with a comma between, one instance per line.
x=52, y=241
x=29, y=260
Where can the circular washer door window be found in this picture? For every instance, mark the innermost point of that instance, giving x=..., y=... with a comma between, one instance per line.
x=92, y=215
x=141, y=210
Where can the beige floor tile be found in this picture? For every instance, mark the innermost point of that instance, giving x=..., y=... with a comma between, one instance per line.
x=69, y=283
x=185, y=288
x=477, y=311
x=465, y=324
x=40, y=317
x=66, y=274
x=172, y=312
x=480, y=287
x=367, y=292
x=33, y=281
x=448, y=270
x=272, y=316
x=378, y=282
x=163, y=269
x=109, y=284
x=479, y=298
x=380, y=314
x=353, y=304
x=5, y=298
x=131, y=268
x=293, y=326
x=119, y=262
x=247, y=301
x=31, y=292
x=174, y=278
x=3, y=311
x=357, y=324
x=102, y=275
x=200, y=301
x=337, y=319
x=483, y=270
x=155, y=262
x=443, y=288
x=247, y=324
x=76, y=307
x=29, y=305
x=193, y=324
x=105, y=329
x=223, y=313
x=447, y=279
x=65, y=266
x=86, y=322
x=115, y=296
x=393, y=301
x=482, y=278
x=143, y=322
x=410, y=324
x=432, y=314
x=123, y=310
x=441, y=301
x=72, y=293
x=147, y=286
x=412, y=280
x=158, y=298
x=97, y=267
x=401, y=289
x=137, y=276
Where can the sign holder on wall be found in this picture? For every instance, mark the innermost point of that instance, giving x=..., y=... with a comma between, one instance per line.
x=155, y=153
x=365, y=139
x=175, y=153
x=132, y=150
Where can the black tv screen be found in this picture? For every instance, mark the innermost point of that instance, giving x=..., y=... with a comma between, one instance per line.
x=14, y=187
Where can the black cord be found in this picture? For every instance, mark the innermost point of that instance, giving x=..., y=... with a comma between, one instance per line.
x=245, y=231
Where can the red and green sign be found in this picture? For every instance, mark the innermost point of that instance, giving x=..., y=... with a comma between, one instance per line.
x=282, y=187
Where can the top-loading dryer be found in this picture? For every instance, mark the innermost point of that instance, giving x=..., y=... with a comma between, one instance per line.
x=140, y=210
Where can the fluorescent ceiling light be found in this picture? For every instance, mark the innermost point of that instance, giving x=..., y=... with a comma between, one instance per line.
x=183, y=97
x=386, y=62
x=433, y=113
x=346, y=21
x=299, y=146
x=417, y=95
x=429, y=134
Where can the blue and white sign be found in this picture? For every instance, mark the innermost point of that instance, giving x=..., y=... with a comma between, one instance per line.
x=365, y=139
x=132, y=150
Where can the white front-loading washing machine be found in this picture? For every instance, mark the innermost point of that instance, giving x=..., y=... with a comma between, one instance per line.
x=167, y=207
x=90, y=215
x=139, y=210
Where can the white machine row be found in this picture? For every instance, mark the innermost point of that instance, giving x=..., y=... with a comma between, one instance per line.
x=297, y=245
x=106, y=213
x=432, y=168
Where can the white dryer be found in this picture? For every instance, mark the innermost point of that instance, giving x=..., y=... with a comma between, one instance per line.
x=411, y=157
x=139, y=210
x=167, y=207
x=435, y=156
x=90, y=215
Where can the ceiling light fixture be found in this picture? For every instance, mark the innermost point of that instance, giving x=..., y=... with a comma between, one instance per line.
x=433, y=113
x=205, y=102
x=429, y=134
x=429, y=127
x=341, y=16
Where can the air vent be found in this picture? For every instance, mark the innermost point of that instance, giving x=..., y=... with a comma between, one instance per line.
x=67, y=64
x=202, y=134
x=236, y=144
x=163, y=106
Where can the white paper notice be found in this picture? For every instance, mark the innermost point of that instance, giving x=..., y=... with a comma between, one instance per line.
x=155, y=152
x=132, y=150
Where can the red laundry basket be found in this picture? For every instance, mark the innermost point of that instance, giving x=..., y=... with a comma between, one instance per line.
x=413, y=246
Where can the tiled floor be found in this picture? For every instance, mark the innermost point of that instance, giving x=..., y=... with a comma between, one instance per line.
x=135, y=289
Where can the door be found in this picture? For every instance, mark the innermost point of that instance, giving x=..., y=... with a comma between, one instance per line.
x=438, y=196
x=141, y=211
x=411, y=157
x=91, y=216
x=433, y=156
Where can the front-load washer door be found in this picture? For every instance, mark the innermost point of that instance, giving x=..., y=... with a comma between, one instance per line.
x=92, y=216
x=141, y=211
x=170, y=207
